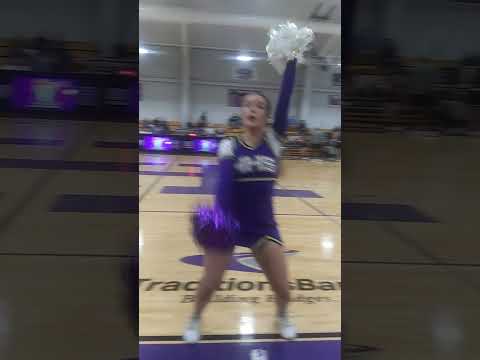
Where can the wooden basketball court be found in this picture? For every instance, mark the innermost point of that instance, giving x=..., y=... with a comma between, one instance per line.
x=307, y=206
x=389, y=246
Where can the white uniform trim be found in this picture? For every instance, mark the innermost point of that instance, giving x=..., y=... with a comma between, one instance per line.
x=226, y=148
x=273, y=142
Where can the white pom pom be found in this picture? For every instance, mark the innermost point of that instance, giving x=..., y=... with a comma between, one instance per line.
x=288, y=42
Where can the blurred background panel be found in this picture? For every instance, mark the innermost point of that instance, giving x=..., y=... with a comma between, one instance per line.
x=409, y=179
x=69, y=179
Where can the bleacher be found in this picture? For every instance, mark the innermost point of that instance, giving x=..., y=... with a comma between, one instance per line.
x=295, y=146
x=84, y=57
x=4, y=52
x=404, y=109
x=365, y=114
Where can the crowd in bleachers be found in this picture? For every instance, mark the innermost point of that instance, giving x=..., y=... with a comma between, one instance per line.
x=301, y=142
x=43, y=55
x=415, y=93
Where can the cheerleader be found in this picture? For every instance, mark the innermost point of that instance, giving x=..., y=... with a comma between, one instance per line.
x=243, y=211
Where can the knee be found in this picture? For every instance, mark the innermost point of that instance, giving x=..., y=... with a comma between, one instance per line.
x=212, y=281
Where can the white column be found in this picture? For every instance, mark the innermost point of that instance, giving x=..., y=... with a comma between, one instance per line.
x=185, y=114
x=307, y=93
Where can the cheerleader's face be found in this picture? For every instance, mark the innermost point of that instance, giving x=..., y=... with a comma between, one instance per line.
x=254, y=111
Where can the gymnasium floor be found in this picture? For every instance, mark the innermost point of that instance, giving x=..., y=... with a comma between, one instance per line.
x=415, y=262
x=67, y=239
x=413, y=268
x=307, y=205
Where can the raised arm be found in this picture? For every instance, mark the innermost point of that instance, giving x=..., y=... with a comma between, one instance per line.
x=280, y=123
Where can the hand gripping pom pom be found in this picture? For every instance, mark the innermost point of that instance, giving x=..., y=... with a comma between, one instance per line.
x=212, y=228
x=288, y=42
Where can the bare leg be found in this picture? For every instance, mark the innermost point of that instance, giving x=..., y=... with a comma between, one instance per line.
x=271, y=258
x=215, y=263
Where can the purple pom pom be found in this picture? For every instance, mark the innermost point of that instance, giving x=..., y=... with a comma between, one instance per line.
x=212, y=228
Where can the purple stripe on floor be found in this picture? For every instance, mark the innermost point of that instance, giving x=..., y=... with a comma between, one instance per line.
x=296, y=193
x=200, y=190
x=383, y=212
x=291, y=350
x=86, y=166
x=209, y=181
x=28, y=141
x=116, y=144
x=185, y=190
x=96, y=204
x=237, y=263
x=151, y=163
x=169, y=173
x=191, y=165
x=68, y=165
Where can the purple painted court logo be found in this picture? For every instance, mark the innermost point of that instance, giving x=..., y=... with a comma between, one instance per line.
x=240, y=262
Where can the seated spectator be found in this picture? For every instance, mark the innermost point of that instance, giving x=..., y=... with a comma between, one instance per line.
x=333, y=144
x=301, y=125
x=235, y=121
x=336, y=137
x=160, y=127
x=209, y=131
x=203, y=121
x=303, y=130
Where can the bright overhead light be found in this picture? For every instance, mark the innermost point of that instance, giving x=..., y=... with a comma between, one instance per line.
x=327, y=241
x=328, y=244
x=245, y=58
x=144, y=51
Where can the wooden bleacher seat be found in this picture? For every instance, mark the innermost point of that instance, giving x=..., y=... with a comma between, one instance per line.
x=4, y=51
x=81, y=51
x=174, y=125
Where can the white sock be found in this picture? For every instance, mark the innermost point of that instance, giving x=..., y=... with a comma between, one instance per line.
x=192, y=331
x=286, y=327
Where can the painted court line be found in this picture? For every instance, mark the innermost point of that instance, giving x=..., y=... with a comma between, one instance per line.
x=408, y=263
x=68, y=255
x=305, y=350
x=30, y=141
x=152, y=163
x=116, y=144
x=383, y=212
x=155, y=183
x=191, y=212
x=270, y=336
x=241, y=341
x=191, y=165
x=314, y=208
x=95, y=204
x=68, y=165
x=201, y=190
x=169, y=173
x=209, y=177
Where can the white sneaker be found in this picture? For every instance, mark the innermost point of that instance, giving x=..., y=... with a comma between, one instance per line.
x=287, y=329
x=192, y=331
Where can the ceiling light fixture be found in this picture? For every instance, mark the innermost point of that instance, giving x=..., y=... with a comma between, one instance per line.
x=244, y=58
